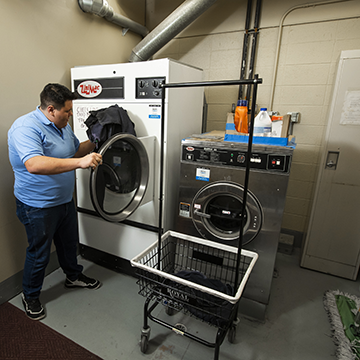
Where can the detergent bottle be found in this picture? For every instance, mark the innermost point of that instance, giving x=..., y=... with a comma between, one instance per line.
x=241, y=117
x=262, y=123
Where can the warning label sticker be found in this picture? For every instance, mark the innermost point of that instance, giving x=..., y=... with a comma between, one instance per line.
x=202, y=174
x=184, y=209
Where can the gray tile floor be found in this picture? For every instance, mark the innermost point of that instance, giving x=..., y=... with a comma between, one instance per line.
x=108, y=321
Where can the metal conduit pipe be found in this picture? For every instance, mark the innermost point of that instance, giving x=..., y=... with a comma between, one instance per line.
x=280, y=35
x=103, y=9
x=253, y=49
x=245, y=47
x=178, y=20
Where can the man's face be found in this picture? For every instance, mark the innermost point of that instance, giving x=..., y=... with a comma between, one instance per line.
x=61, y=117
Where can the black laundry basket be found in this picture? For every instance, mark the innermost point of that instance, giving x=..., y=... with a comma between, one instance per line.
x=201, y=278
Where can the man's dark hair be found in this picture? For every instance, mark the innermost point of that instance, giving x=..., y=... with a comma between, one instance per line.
x=56, y=95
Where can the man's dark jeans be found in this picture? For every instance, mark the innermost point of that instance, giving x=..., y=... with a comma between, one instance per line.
x=58, y=223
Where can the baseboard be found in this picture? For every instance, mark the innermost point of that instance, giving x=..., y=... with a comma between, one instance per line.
x=106, y=260
x=13, y=285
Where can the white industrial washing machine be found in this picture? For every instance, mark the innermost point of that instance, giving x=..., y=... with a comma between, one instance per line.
x=211, y=195
x=118, y=203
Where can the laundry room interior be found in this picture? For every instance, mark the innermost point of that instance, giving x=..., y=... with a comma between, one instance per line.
x=179, y=68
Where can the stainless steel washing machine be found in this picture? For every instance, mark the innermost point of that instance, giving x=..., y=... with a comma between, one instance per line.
x=211, y=192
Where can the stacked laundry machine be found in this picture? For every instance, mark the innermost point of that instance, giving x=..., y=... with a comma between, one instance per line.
x=118, y=203
x=211, y=198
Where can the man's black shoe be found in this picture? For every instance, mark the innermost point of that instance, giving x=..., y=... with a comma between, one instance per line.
x=83, y=282
x=33, y=308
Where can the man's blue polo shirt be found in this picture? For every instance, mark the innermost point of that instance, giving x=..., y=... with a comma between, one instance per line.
x=34, y=135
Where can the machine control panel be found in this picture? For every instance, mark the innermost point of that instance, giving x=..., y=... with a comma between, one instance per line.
x=229, y=157
x=149, y=88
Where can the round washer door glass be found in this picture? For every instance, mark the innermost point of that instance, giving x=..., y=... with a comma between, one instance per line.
x=216, y=212
x=118, y=185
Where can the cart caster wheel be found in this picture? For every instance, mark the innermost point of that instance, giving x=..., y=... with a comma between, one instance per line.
x=170, y=311
x=144, y=344
x=232, y=334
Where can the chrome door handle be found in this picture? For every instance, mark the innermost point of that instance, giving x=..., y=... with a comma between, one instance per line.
x=197, y=212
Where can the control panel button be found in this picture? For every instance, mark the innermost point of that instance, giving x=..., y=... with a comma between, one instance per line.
x=276, y=162
x=241, y=158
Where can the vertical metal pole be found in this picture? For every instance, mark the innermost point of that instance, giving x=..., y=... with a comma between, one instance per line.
x=246, y=183
x=161, y=146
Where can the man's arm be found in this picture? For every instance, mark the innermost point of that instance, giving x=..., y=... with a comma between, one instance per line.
x=85, y=148
x=44, y=165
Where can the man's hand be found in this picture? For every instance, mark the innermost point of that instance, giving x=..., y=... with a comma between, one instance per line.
x=91, y=160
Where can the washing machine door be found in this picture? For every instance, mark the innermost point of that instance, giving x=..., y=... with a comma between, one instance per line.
x=216, y=212
x=118, y=185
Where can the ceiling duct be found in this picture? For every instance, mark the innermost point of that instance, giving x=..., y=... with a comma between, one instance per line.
x=177, y=21
x=102, y=9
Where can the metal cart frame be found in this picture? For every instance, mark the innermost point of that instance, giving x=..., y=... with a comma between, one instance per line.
x=159, y=266
x=188, y=255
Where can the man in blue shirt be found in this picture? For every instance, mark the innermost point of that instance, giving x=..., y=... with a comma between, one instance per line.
x=44, y=152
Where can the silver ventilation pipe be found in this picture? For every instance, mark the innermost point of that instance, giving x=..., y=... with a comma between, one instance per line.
x=102, y=8
x=178, y=20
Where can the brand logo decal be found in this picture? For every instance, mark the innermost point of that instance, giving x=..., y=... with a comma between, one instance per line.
x=190, y=148
x=89, y=89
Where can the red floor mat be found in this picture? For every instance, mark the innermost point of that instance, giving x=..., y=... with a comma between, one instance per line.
x=24, y=339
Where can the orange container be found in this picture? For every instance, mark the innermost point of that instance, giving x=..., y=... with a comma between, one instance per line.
x=241, y=117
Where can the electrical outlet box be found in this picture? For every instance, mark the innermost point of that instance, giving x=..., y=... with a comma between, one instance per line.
x=286, y=244
x=294, y=116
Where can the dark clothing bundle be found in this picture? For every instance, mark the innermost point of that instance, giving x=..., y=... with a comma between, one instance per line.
x=209, y=308
x=104, y=123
